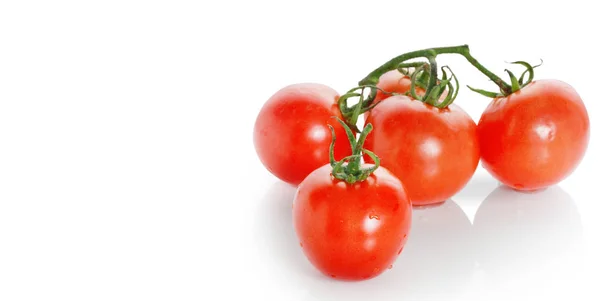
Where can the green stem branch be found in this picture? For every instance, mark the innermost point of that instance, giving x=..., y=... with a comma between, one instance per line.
x=432, y=77
x=463, y=50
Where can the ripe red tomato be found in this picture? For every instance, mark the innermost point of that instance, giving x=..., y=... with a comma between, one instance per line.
x=534, y=137
x=434, y=152
x=351, y=231
x=291, y=136
x=394, y=81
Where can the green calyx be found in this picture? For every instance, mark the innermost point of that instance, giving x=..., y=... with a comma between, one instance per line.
x=434, y=92
x=515, y=84
x=364, y=104
x=349, y=169
x=425, y=76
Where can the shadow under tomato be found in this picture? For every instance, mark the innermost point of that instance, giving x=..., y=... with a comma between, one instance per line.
x=521, y=234
x=275, y=233
x=436, y=263
x=513, y=232
x=476, y=190
x=478, y=187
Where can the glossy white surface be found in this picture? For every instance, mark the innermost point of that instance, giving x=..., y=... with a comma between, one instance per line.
x=520, y=246
x=127, y=170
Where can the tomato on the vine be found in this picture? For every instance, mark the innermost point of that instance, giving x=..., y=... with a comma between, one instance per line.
x=352, y=221
x=352, y=231
x=534, y=137
x=433, y=151
x=394, y=82
x=291, y=136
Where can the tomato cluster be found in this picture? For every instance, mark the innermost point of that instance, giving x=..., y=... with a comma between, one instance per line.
x=418, y=148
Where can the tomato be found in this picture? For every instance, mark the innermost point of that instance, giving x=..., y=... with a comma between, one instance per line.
x=351, y=231
x=434, y=152
x=396, y=82
x=393, y=82
x=291, y=136
x=534, y=137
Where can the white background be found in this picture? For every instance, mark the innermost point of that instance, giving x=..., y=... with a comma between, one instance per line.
x=127, y=170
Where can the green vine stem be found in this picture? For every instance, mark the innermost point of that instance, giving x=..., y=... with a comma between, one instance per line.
x=349, y=168
x=403, y=68
x=414, y=78
x=432, y=78
x=515, y=84
x=463, y=50
x=373, y=77
x=427, y=80
x=427, y=72
x=352, y=113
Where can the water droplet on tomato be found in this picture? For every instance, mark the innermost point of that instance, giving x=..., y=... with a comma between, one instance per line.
x=519, y=186
x=301, y=245
x=404, y=236
x=333, y=276
x=373, y=257
x=375, y=270
x=374, y=216
x=390, y=267
x=400, y=250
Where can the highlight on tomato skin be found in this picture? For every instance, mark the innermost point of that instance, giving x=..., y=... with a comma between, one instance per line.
x=434, y=152
x=535, y=137
x=291, y=134
x=351, y=231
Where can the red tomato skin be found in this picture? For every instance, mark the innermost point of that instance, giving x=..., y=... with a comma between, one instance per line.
x=291, y=136
x=536, y=137
x=351, y=231
x=394, y=81
x=434, y=152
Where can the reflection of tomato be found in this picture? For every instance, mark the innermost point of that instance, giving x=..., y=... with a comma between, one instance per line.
x=291, y=136
x=351, y=231
x=523, y=231
x=434, y=152
x=536, y=136
x=437, y=259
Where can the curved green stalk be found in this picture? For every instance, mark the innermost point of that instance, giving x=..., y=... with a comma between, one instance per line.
x=352, y=171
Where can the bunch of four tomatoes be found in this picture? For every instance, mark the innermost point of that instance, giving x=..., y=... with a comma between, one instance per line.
x=356, y=188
